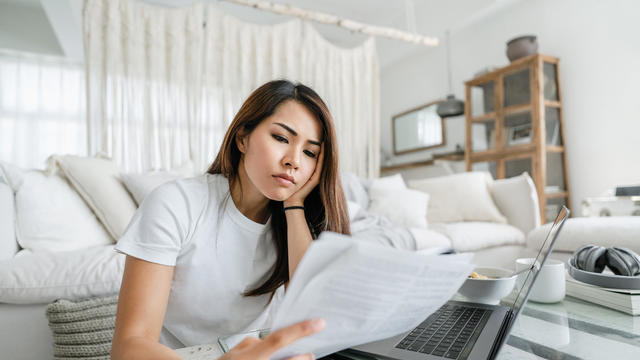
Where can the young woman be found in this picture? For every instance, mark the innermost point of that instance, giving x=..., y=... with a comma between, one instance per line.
x=209, y=256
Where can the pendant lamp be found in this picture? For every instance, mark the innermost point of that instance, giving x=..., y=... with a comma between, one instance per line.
x=451, y=106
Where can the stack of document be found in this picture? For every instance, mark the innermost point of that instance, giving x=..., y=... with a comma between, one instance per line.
x=627, y=301
x=365, y=292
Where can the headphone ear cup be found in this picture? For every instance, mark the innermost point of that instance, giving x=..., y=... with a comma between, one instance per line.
x=623, y=261
x=590, y=258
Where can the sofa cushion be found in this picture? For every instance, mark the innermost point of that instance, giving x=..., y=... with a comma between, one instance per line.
x=141, y=185
x=44, y=276
x=97, y=180
x=49, y=214
x=8, y=243
x=403, y=207
x=471, y=236
x=459, y=197
x=392, y=182
x=622, y=231
x=517, y=199
x=354, y=189
x=427, y=238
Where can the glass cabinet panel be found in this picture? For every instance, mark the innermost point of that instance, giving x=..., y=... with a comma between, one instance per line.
x=489, y=166
x=483, y=135
x=515, y=167
x=552, y=125
x=555, y=173
x=550, y=82
x=517, y=90
x=482, y=99
x=517, y=128
x=553, y=207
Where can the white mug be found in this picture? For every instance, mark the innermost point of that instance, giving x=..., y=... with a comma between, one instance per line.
x=550, y=284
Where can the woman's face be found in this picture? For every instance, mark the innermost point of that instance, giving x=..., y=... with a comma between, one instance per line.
x=280, y=154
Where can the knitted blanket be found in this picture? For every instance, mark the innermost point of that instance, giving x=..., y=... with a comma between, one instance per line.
x=82, y=329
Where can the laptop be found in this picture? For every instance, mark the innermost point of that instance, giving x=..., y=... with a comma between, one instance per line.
x=465, y=330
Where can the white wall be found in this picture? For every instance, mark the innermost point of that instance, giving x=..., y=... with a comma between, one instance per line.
x=27, y=28
x=598, y=43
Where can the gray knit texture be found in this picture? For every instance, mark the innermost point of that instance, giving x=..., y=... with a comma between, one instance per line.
x=82, y=329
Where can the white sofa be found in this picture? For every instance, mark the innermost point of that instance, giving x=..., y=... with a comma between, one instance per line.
x=492, y=242
x=50, y=266
x=29, y=280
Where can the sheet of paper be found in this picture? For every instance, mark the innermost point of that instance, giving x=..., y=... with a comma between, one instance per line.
x=365, y=292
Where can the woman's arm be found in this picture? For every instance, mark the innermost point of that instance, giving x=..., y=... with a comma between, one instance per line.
x=298, y=236
x=142, y=304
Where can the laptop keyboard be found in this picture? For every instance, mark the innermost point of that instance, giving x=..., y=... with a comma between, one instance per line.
x=450, y=332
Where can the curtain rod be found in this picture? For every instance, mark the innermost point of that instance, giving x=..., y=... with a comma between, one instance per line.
x=285, y=9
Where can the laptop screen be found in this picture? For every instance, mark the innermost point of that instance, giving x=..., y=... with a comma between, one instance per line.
x=528, y=277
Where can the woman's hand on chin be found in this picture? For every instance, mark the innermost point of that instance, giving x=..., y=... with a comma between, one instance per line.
x=297, y=198
x=255, y=349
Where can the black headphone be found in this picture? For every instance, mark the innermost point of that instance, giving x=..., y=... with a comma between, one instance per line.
x=594, y=258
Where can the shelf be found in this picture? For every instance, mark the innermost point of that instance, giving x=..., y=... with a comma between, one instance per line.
x=554, y=148
x=528, y=115
x=484, y=118
x=517, y=109
x=553, y=104
x=556, y=194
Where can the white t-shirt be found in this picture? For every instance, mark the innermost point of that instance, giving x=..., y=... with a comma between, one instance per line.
x=218, y=254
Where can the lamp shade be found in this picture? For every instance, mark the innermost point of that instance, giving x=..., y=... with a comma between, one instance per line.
x=450, y=107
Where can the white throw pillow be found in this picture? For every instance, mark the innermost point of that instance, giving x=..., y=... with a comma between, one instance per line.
x=50, y=215
x=472, y=236
x=42, y=277
x=459, y=197
x=403, y=207
x=97, y=180
x=517, y=199
x=393, y=182
x=141, y=185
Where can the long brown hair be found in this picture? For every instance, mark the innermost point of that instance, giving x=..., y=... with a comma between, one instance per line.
x=325, y=206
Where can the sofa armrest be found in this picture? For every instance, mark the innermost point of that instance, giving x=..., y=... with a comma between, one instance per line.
x=623, y=231
x=8, y=243
x=517, y=200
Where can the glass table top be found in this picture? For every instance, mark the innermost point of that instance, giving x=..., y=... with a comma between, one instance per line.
x=572, y=329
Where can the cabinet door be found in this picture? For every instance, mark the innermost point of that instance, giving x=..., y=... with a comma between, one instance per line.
x=555, y=181
x=517, y=165
x=553, y=127
x=483, y=135
x=518, y=128
x=550, y=81
x=517, y=88
x=482, y=99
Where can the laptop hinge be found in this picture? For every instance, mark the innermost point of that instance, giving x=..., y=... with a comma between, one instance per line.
x=501, y=335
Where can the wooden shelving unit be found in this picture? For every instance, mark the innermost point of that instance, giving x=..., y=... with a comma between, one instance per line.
x=515, y=124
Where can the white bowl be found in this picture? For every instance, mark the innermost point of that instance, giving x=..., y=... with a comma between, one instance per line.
x=488, y=291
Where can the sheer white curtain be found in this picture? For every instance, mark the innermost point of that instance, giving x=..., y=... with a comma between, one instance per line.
x=163, y=89
x=241, y=56
x=144, y=66
x=348, y=80
x=42, y=108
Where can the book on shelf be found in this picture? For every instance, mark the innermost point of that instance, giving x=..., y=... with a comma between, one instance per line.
x=625, y=300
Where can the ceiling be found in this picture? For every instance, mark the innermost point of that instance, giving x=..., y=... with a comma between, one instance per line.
x=431, y=18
